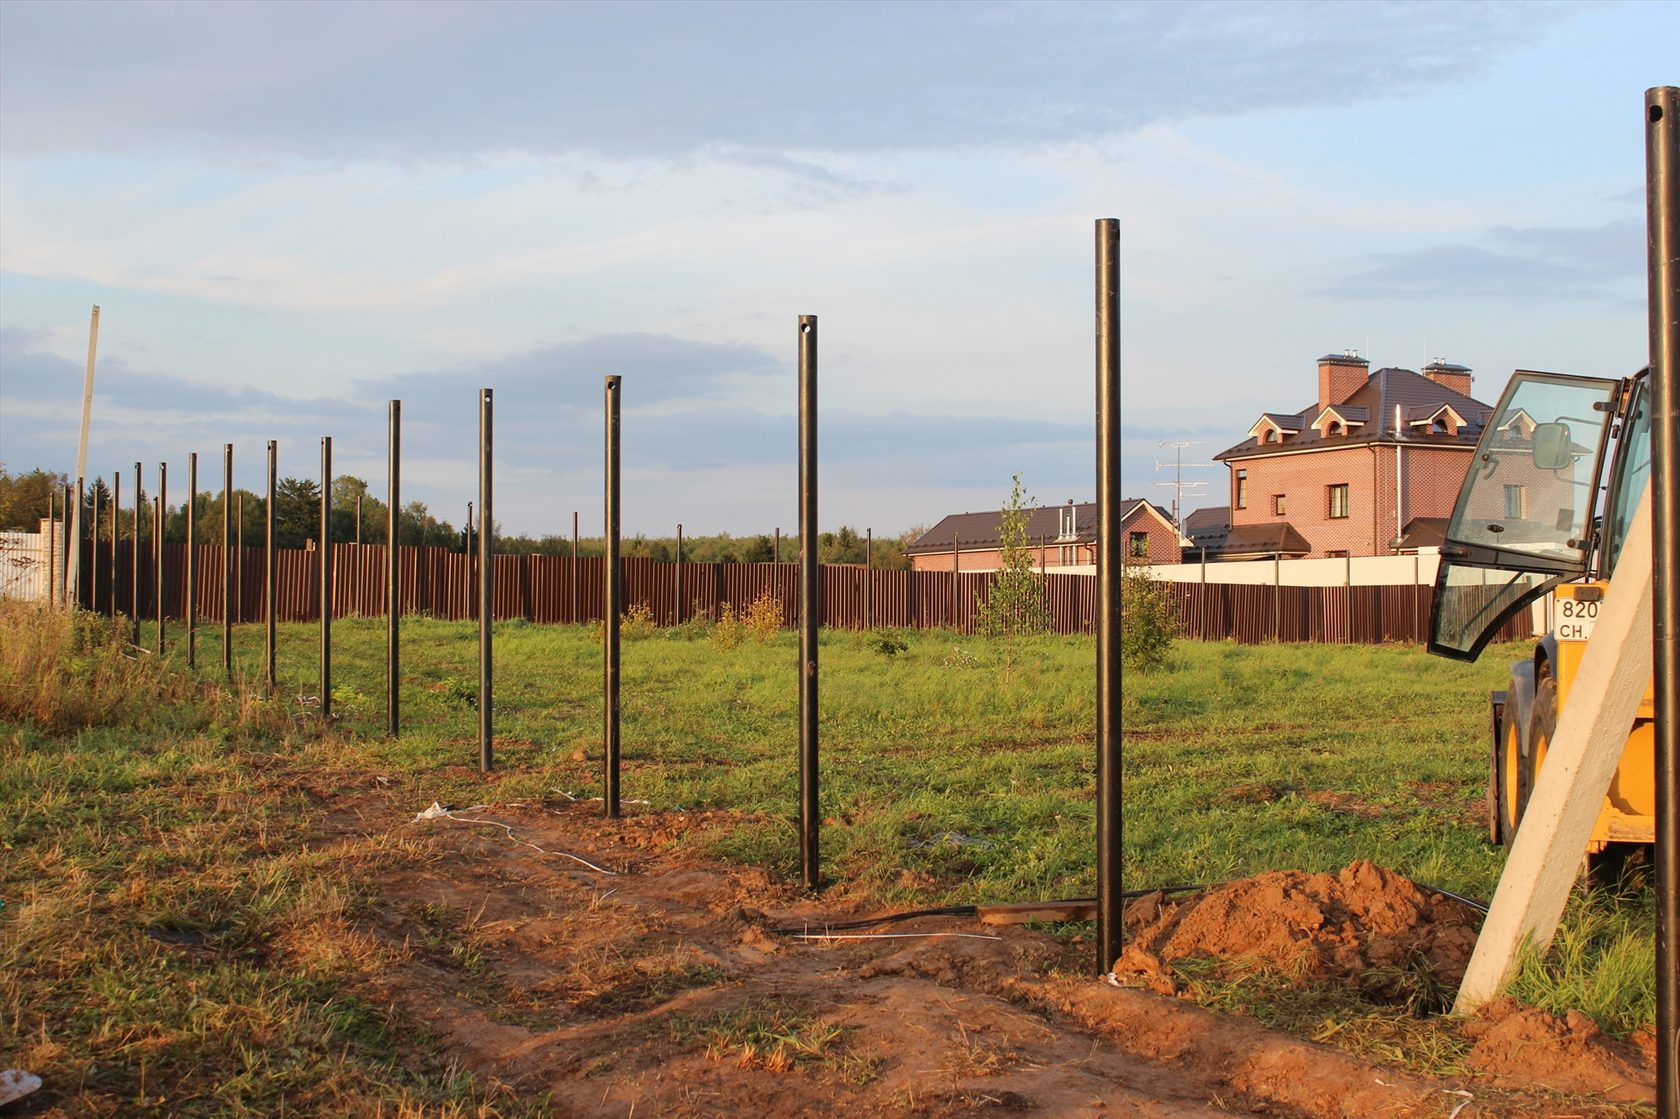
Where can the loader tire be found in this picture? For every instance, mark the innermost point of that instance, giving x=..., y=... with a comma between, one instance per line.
x=1507, y=782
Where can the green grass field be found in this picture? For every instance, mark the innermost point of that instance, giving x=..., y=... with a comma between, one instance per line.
x=143, y=800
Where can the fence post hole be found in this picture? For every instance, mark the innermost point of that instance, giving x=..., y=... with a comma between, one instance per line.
x=324, y=546
x=271, y=581
x=159, y=531
x=393, y=565
x=191, y=609
x=486, y=588
x=611, y=606
x=810, y=602
x=1110, y=895
x=229, y=536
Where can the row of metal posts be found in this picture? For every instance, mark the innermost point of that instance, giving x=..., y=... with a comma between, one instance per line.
x=810, y=589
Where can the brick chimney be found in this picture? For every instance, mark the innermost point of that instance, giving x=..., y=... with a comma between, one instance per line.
x=1340, y=376
x=1448, y=375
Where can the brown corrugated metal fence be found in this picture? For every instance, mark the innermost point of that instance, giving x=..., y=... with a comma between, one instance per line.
x=541, y=589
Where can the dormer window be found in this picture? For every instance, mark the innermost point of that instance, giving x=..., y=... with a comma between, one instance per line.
x=1333, y=428
x=1271, y=435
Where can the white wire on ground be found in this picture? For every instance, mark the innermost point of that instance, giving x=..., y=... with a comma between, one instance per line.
x=439, y=812
x=889, y=936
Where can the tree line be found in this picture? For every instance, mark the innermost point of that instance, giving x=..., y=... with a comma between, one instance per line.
x=26, y=498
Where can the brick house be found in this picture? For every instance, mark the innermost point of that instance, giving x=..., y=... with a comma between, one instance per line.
x=1060, y=536
x=1347, y=475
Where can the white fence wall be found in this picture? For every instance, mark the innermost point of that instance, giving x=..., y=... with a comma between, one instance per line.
x=24, y=563
x=1358, y=571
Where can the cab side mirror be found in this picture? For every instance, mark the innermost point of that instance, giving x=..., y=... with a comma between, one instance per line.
x=1551, y=446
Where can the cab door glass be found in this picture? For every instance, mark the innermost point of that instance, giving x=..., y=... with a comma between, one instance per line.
x=1531, y=487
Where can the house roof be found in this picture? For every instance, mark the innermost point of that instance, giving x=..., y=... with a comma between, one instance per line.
x=1208, y=529
x=1423, y=532
x=1267, y=539
x=1382, y=391
x=979, y=531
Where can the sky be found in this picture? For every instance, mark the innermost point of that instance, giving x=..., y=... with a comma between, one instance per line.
x=290, y=214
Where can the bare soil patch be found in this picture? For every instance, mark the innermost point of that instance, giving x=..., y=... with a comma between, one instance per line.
x=669, y=988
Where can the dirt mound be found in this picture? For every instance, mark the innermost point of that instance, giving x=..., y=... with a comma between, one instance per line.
x=1365, y=925
x=1522, y=1045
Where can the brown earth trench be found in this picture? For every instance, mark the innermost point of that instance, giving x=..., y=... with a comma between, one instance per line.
x=656, y=983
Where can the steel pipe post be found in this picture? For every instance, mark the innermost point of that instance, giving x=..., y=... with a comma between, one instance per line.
x=134, y=583
x=810, y=604
x=393, y=564
x=238, y=557
x=66, y=587
x=73, y=526
x=486, y=588
x=612, y=604
x=191, y=608
x=159, y=532
x=1110, y=897
x=229, y=538
x=1662, y=178
x=575, y=618
x=326, y=568
x=271, y=580
x=116, y=520
x=52, y=547
x=869, y=578
x=678, y=617
x=93, y=554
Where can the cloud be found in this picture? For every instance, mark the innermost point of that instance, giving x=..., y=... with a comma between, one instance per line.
x=680, y=446
x=452, y=80
x=1523, y=263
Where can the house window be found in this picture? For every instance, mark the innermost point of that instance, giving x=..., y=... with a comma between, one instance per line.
x=1271, y=435
x=1242, y=490
x=1332, y=428
x=1139, y=545
x=1514, y=503
x=1280, y=504
x=1336, y=500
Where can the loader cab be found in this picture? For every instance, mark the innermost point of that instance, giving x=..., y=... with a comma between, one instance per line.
x=1525, y=517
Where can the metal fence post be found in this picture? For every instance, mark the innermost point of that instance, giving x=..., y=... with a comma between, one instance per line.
x=159, y=533
x=134, y=587
x=393, y=564
x=611, y=604
x=326, y=568
x=271, y=580
x=1110, y=891
x=1662, y=179
x=810, y=604
x=192, y=559
x=486, y=588
x=228, y=590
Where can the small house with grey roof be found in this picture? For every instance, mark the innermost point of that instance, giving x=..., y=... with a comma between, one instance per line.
x=1349, y=474
x=1059, y=536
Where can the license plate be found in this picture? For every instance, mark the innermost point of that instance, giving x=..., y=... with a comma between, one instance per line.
x=1575, y=619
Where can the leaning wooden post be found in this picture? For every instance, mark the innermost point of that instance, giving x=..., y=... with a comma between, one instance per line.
x=1582, y=757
